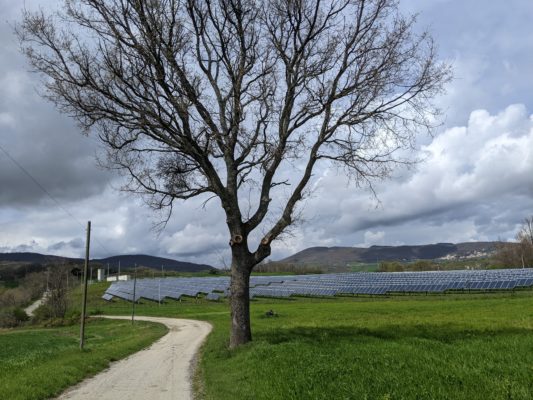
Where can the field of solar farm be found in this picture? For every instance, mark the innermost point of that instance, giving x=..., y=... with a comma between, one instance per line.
x=332, y=336
x=323, y=285
x=336, y=337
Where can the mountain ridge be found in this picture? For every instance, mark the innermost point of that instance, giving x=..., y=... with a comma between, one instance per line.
x=339, y=255
x=126, y=261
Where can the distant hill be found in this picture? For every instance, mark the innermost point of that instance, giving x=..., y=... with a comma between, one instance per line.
x=34, y=258
x=126, y=261
x=341, y=256
x=129, y=261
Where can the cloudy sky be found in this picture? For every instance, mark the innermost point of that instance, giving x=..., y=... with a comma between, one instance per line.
x=475, y=184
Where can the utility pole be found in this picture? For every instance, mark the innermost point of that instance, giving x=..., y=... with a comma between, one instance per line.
x=84, y=301
x=133, y=302
x=160, y=285
x=107, y=271
x=118, y=275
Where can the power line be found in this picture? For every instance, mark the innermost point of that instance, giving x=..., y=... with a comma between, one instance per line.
x=40, y=186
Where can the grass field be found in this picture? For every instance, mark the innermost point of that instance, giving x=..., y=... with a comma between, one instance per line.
x=432, y=349
x=39, y=363
x=407, y=347
x=477, y=346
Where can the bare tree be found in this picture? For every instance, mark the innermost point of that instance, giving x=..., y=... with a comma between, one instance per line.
x=57, y=294
x=220, y=97
x=525, y=242
x=520, y=252
x=526, y=231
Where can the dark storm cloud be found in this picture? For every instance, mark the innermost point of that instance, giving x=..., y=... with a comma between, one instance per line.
x=77, y=243
x=45, y=143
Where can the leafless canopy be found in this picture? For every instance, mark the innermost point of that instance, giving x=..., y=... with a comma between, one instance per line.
x=222, y=97
x=525, y=242
x=194, y=97
x=519, y=253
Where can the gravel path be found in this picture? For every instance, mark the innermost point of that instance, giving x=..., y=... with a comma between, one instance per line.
x=161, y=371
x=30, y=309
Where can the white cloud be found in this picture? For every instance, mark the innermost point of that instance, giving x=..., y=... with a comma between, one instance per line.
x=374, y=238
x=194, y=239
x=475, y=184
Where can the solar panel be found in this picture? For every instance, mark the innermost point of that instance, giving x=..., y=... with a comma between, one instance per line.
x=373, y=283
x=213, y=296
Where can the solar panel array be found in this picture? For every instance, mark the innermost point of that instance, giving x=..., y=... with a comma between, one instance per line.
x=358, y=283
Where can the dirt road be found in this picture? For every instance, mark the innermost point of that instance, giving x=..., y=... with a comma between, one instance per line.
x=30, y=309
x=161, y=371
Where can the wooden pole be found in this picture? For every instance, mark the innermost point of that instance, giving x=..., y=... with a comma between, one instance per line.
x=160, y=285
x=84, y=301
x=133, y=302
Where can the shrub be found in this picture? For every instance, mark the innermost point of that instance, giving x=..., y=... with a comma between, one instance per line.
x=20, y=314
x=12, y=317
x=7, y=320
x=42, y=313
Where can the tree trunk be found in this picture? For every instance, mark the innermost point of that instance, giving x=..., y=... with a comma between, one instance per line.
x=241, y=332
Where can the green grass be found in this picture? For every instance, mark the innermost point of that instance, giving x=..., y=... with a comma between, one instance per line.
x=39, y=363
x=463, y=346
x=434, y=348
x=408, y=347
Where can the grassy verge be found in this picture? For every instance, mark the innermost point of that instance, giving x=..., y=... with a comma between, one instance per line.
x=40, y=363
x=475, y=346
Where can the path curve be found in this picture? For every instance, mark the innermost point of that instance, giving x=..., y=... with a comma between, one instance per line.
x=161, y=371
x=36, y=304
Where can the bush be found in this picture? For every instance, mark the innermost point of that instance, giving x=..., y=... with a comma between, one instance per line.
x=96, y=311
x=20, y=314
x=44, y=315
x=12, y=317
x=73, y=317
x=7, y=319
x=14, y=297
x=74, y=314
